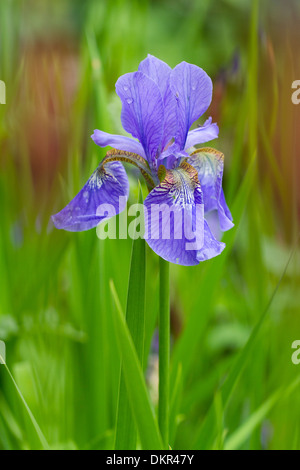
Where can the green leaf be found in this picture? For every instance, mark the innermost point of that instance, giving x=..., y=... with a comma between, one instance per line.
x=135, y=383
x=135, y=317
x=37, y=428
x=174, y=405
x=184, y=349
x=237, y=438
x=206, y=432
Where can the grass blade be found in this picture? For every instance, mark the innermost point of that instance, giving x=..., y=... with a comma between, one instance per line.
x=38, y=430
x=236, y=439
x=135, y=317
x=184, y=349
x=206, y=434
x=138, y=395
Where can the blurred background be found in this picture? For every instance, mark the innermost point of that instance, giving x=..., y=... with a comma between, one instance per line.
x=60, y=60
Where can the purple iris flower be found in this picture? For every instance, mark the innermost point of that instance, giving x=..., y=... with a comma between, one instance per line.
x=159, y=105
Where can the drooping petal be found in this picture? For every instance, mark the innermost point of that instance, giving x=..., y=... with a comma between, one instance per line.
x=193, y=90
x=211, y=246
x=104, y=195
x=136, y=160
x=209, y=164
x=201, y=135
x=212, y=218
x=120, y=142
x=170, y=213
x=174, y=219
x=142, y=111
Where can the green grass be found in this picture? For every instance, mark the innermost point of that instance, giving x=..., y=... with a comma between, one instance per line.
x=63, y=296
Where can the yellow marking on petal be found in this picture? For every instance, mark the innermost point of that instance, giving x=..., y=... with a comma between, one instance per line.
x=127, y=156
x=207, y=160
x=116, y=155
x=219, y=155
x=192, y=172
x=181, y=182
x=161, y=172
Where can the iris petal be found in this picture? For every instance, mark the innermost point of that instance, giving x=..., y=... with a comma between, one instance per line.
x=201, y=135
x=193, y=90
x=119, y=142
x=142, y=111
x=209, y=164
x=175, y=226
x=211, y=246
x=106, y=186
x=171, y=123
x=115, y=155
x=157, y=70
x=160, y=72
x=172, y=156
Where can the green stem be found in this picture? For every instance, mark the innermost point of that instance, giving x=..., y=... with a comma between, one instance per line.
x=164, y=351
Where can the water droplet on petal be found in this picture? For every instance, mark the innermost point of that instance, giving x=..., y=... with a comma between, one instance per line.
x=193, y=87
x=129, y=100
x=125, y=88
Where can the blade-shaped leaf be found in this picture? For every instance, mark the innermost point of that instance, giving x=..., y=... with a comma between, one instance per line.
x=236, y=439
x=184, y=349
x=206, y=433
x=135, y=383
x=135, y=318
x=37, y=428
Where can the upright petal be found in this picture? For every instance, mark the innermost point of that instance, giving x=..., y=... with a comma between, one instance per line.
x=119, y=142
x=170, y=124
x=142, y=111
x=209, y=164
x=193, y=90
x=201, y=135
x=157, y=70
x=107, y=186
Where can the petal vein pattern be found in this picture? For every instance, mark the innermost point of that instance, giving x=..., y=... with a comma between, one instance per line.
x=107, y=186
x=142, y=111
x=174, y=218
x=209, y=164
